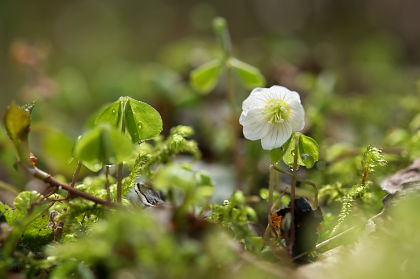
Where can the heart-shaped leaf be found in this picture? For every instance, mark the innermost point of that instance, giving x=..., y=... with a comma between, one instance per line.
x=307, y=151
x=204, y=78
x=249, y=75
x=139, y=119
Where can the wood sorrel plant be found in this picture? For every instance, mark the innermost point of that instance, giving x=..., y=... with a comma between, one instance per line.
x=137, y=119
x=205, y=78
x=275, y=115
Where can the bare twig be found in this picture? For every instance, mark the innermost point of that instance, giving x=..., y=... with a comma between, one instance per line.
x=47, y=178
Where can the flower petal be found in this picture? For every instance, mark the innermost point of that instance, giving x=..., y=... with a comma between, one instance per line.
x=257, y=98
x=254, y=123
x=297, y=116
x=277, y=136
x=278, y=92
x=292, y=96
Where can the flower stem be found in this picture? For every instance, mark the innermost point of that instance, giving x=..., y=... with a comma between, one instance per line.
x=222, y=32
x=235, y=127
x=121, y=165
x=316, y=202
x=364, y=177
x=292, y=198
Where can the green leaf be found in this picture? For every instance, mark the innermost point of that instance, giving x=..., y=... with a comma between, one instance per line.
x=17, y=121
x=174, y=176
x=276, y=155
x=308, y=151
x=103, y=145
x=205, y=77
x=110, y=114
x=249, y=75
x=289, y=154
x=141, y=120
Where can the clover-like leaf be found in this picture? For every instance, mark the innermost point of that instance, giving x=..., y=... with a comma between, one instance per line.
x=103, y=145
x=142, y=121
x=139, y=119
x=204, y=78
x=249, y=75
x=110, y=114
x=307, y=151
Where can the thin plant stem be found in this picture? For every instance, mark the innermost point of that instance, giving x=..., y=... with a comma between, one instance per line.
x=222, y=32
x=119, y=182
x=8, y=187
x=108, y=191
x=120, y=166
x=292, y=198
x=76, y=174
x=316, y=202
x=364, y=177
x=234, y=122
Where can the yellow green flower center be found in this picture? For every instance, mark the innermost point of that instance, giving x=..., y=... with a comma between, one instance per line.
x=277, y=111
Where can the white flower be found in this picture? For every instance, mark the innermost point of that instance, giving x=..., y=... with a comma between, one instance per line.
x=272, y=115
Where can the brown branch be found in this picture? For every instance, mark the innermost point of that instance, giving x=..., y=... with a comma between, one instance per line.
x=47, y=178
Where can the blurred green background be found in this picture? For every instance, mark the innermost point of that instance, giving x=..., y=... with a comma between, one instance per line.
x=355, y=63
